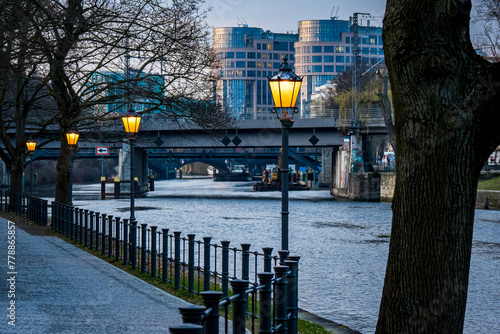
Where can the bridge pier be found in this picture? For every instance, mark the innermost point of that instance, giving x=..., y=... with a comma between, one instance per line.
x=325, y=176
x=140, y=164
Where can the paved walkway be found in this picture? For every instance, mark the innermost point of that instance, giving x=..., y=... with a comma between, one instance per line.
x=59, y=288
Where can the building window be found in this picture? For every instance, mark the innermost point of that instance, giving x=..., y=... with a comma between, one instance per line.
x=240, y=64
x=240, y=73
x=258, y=74
x=292, y=57
x=372, y=39
x=348, y=40
x=240, y=55
x=259, y=55
x=264, y=56
x=307, y=49
x=251, y=73
x=229, y=74
x=329, y=59
x=229, y=55
x=317, y=68
x=258, y=46
x=373, y=51
x=251, y=64
x=380, y=40
x=229, y=63
x=365, y=40
x=306, y=59
x=328, y=68
x=270, y=65
x=381, y=51
x=339, y=59
x=317, y=59
x=251, y=55
x=364, y=51
x=339, y=49
x=269, y=47
x=276, y=56
x=276, y=65
x=306, y=68
x=340, y=68
x=259, y=64
x=317, y=48
x=328, y=48
x=347, y=49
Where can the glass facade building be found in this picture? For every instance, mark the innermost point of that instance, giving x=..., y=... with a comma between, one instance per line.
x=247, y=56
x=325, y=50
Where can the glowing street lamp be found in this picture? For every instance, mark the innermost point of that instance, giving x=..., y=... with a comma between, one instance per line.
x=285, y=87
x=72, y=139
x=31, y=145
x=131, y=121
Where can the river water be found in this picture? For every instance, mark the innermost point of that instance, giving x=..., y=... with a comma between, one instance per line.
x=343, y=245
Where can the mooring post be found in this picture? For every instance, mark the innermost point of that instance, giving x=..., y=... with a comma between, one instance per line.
x=239, y=305
x=266, y=303
x=281, y=300
x=211, y=300
x=225, y=268
x=191, y=262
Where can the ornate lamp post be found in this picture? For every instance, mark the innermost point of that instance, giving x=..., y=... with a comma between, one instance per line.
x=31, y=145
x=131, y=121
x=72, y=139
x=285, y=87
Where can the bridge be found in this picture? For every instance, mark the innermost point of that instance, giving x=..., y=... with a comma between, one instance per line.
x=164, y=144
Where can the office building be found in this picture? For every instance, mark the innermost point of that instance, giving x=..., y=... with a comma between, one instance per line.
x=247, y=57
x=325, y=49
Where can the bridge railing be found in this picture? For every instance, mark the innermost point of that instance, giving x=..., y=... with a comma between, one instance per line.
x=198, y=266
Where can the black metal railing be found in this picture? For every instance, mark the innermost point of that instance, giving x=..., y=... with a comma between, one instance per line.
x=33, y=208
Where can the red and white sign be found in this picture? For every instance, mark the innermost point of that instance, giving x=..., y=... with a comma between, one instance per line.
x=102, y=150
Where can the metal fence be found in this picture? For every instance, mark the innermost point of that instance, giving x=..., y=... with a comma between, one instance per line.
x=33, y=208
x=264, y=300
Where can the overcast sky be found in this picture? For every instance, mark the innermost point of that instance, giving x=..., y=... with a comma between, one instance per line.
x=283, y=15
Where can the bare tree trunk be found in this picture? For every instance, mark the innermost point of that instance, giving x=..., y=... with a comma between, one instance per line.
x=62, y=172
x=16, y=183
x=445, y=99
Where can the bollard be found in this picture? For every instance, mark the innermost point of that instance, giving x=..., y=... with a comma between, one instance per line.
x=245, y=262
x=110, y=235
x=280, y=310
x=125, y=241
x=283, y=255
x=117, y=238
x=103, y=187
x=91, y=228
x=206, y=263
x=191, y=262
x=211, y=322
x=225, y=268
x=268, y=259
x=133, y=244
x=103, y=234
x=266, y=303
x=153, y=251
x=151, y=183
x=164, y=256
x=293, y=293
x=116, y=188
x=239, y=305
x=177, y=260
x=86, y=241
x=192, y=314
x=143, y=247
x=97, y=239
x=186, y=329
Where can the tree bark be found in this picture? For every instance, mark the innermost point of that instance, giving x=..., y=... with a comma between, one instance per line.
x=445, y=125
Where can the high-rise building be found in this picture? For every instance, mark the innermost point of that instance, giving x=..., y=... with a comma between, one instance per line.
x=247, y=57
x=326, y=48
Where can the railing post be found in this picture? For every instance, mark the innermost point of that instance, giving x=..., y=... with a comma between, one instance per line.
x=103, y=235
x=125, y=241
x=225, y=268
x=245, y=262
x=86, y=237
x=116, y=188
x=239, y=305
x=192, y=314
x=110, y=235
x=164, y=255
x=280, y=303
x=143, y=247
x=293, y=293
x=71, y=220
x=186, y=329
x=206, y=263
x=133, y=244
x=266, y=303
x=177, y=260
x=81, y=226
x=283, y=254
x=117, y=238
x=153, y=250
x=103, y=187
x=97, y=239
x=91, y=229
x=268, y=259
x=54, y=213
x=45, y=213
x=191, y=262
x=211, y=300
